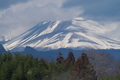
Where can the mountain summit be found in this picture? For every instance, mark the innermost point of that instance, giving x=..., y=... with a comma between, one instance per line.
x=77, y=33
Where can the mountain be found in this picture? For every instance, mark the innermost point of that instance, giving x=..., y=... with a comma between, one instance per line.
x=2, y=50
x=2, y=42
x=3, y=39
x=53, y=54
x=30, y=50
x=77, y=34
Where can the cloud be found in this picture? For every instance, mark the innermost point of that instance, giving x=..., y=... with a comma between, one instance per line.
x=6, y=3
x=22, y=16
x=19, y=16
x=113, y=30
x=97, y=9
x=97, y=27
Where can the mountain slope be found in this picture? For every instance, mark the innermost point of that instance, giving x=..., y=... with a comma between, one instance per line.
x=2, y=50
x=77, y=33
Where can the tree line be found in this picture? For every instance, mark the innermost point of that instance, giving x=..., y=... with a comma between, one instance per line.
x=89, y=66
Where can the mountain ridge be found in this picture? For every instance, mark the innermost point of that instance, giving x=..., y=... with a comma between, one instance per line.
x=49, y=35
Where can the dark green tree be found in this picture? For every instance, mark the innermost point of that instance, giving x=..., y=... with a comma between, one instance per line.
x=19, y=74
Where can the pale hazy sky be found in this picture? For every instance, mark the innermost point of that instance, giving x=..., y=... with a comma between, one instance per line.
x=17, y=16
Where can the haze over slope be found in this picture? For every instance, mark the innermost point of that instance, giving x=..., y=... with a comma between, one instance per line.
x=77, y=33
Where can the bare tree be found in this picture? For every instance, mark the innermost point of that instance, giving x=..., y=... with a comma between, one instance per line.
x=101, y=61
x=117, y=68
x=83, y=70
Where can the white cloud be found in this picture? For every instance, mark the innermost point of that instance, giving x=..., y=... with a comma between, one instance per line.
x=111, y=26
x=113, y=30
x=97, y=27
x=20, y=17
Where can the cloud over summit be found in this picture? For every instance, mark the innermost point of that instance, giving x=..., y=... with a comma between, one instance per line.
x=23, y=16
x=17, y=16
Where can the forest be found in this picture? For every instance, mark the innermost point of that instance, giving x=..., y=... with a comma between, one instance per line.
x=88, y=66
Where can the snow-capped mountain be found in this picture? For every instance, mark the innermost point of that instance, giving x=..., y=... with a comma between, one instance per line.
x=77, y=33
x=3, y=40
x=2, y=50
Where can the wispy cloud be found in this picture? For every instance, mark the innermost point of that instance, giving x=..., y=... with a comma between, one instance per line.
x=22, y=16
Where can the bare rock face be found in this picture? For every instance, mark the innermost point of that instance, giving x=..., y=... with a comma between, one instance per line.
x=83, y=70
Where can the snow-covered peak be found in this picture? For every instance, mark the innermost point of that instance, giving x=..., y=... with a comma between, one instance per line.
x=76, y=33
x=4, y=39
x=79, y=18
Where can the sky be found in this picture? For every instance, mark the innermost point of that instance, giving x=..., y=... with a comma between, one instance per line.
x=17, y=16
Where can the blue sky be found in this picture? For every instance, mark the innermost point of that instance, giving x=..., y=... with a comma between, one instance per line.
x=4, y=4
x=97, y=9
x=17, y=16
